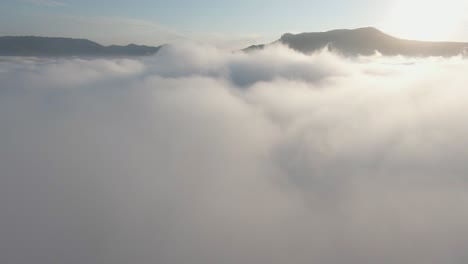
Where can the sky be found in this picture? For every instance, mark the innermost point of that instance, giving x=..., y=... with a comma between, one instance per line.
x=228, y=23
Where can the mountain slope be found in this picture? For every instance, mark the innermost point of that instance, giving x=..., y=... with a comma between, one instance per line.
x=44, y=46
x=366, y=41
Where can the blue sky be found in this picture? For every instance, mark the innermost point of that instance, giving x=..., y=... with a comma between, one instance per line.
x=227, y=23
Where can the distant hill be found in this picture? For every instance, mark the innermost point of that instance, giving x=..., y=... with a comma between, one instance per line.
x=45, y=46
x=366, y=41
x=361, y=41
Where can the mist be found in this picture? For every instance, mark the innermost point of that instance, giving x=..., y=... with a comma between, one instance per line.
x=197, y=155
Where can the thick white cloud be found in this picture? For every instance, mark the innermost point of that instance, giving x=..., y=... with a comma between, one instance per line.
x=201, y=156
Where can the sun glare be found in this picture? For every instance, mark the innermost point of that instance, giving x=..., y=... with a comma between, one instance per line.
x=425, y=19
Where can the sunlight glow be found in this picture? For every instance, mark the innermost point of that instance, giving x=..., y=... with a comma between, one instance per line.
x=426, y=19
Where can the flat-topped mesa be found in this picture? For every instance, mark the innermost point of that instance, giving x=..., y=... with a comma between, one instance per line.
x=367, y=41
x=368, y=31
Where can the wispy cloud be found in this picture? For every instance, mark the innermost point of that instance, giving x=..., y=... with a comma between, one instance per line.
x=151, y=32
x=50, y=3
x=121, y=30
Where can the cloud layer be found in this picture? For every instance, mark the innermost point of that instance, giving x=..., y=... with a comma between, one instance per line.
x=201, y=156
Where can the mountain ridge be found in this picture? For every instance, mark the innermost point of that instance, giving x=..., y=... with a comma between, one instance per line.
x=350, y=42
x=60, y=46
x=365, y=41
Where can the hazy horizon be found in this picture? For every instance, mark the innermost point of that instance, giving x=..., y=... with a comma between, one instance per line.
x=228, y=25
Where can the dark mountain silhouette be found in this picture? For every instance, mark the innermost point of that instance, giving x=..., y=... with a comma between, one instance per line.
x=44, y=46
x=366, y=41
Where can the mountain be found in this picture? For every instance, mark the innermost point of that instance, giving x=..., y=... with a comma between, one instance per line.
x=361, y=41
x=366, y=41
x=44, y=46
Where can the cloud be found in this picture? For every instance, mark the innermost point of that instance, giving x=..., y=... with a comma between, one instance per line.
x=196, y=155
x=49, y=3
x=119, y=30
